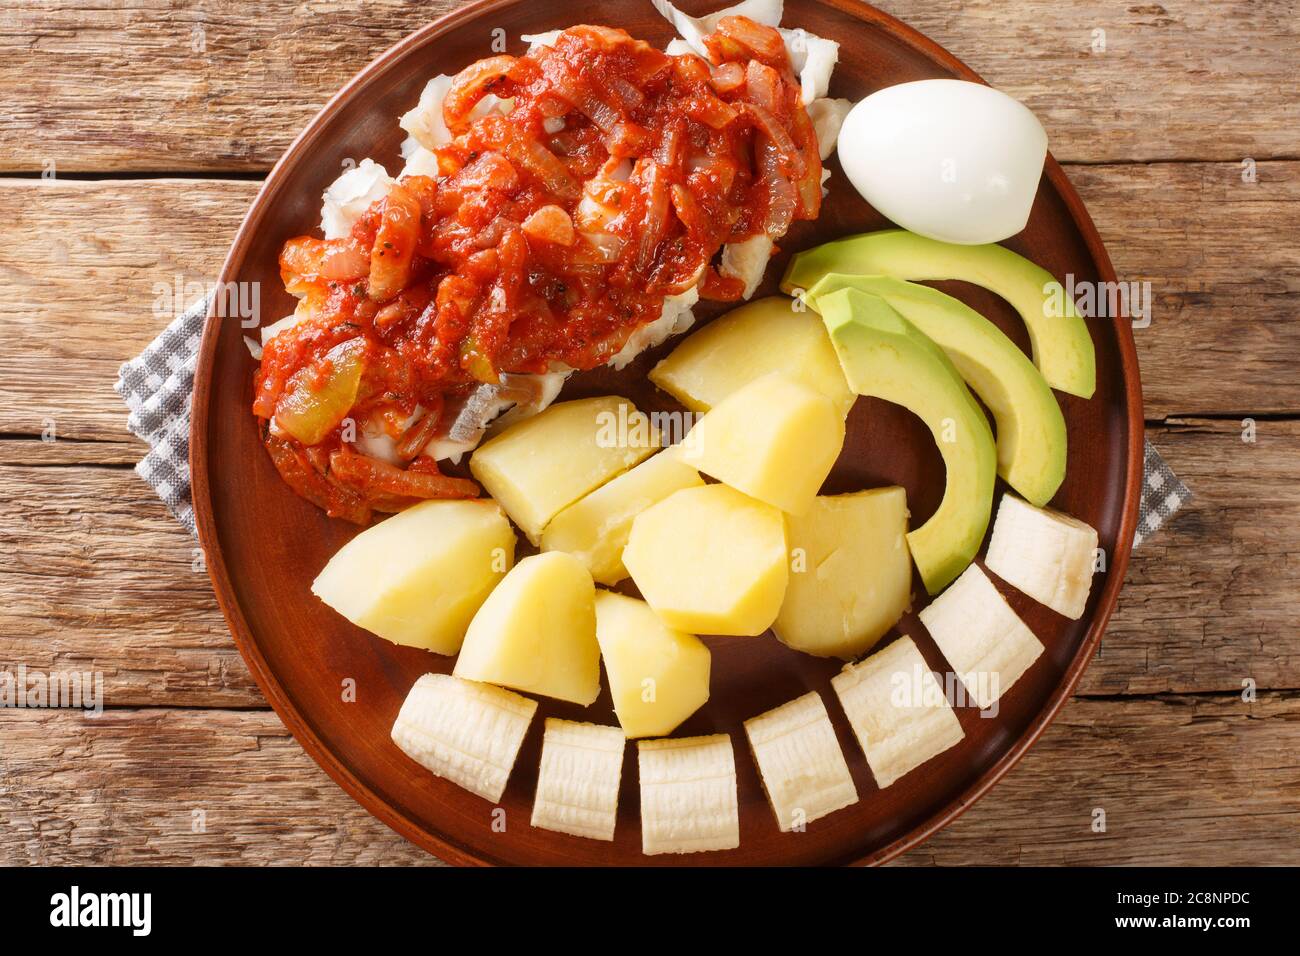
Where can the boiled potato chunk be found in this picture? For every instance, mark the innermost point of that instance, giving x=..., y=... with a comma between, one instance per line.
x=418, y=577
x=774, y=439
x=545, y=463
x=710, y=560
x=750, y=342
x=537, y=632
x=657, y=676
x=850, y=573
x=595, y=529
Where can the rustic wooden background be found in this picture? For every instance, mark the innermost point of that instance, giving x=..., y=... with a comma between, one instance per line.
x=134, y=137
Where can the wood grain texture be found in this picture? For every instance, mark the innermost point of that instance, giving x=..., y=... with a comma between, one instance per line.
x=93, y=283
x=1182, y=780
x=195, y=85
x=1211, y=599
x=94, y=574
x=1223, y=260
x=266, y=545
x=96, y=279
x=175, y=787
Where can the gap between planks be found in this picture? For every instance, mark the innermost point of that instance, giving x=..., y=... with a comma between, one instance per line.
x=146, y=174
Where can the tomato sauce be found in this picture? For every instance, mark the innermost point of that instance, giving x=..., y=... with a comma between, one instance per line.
x=551, y=232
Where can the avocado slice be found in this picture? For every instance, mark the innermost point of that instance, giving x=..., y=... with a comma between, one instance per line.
x=888, y=357
x=1030, y=427
x=1062, y=346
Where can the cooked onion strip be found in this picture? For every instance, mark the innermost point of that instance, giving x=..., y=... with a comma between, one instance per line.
x=362, y=471
x=573, y=191
x=469, y=86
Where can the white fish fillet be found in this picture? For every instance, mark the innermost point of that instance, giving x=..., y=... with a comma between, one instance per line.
x=747, y=260
x=812, y=57
x=350, y=195
x=827, y=117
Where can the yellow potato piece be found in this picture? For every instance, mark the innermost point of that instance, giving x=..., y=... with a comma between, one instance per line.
x=418, y=577
x=657, y=676
x=775, y=439
x=537, y=632
x=850, y=573
x=545, y=463
x=595, y=529
x=710, y=560
x=747, y=343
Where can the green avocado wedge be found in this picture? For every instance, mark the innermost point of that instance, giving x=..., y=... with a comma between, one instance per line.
x=1031, y=439
x=886, y=356
x=1062, y=346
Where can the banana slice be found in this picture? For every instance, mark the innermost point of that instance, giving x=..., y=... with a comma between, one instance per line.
x=897, y=709
x=688, y=795
x=464, y=731
x=577, y=787
x=800, y=761
x=1047, y=554
x=983, y=639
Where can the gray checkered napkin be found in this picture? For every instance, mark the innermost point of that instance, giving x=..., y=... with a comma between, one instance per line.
x=157, y=385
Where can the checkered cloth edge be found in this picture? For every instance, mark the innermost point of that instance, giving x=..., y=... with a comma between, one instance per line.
x=158, y=383
x=157, y=386
x=1163, y=493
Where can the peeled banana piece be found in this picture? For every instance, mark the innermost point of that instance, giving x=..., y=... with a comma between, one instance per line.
x=897, y=709
x=1046, y=554
x=688, y=795
x=464, y=731
x=800, y=761
x=577, y=786
x=983, y=639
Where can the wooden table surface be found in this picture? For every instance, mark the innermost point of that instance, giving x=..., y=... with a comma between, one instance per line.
x=134, y=138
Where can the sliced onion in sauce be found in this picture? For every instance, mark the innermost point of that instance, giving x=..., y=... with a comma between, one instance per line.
x=608, y=248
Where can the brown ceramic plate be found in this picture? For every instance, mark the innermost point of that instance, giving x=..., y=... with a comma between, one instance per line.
x=265, y=545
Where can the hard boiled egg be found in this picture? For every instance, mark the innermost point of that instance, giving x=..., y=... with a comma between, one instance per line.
x=952, y=160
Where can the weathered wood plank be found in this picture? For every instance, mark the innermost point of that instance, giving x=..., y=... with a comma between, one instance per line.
x=1181, y=780
x=93, y=283
x=1210, y=601
x=1221, y=255
x=83, y=293
x=96, y=575
x=206, y=86
x=56, y=452
x=175, y=787
x=1169, y=83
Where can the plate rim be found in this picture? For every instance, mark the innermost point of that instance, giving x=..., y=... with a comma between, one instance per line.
x=443, y=845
